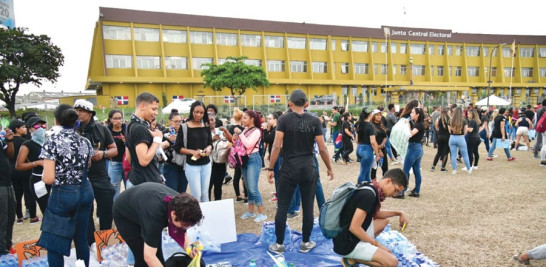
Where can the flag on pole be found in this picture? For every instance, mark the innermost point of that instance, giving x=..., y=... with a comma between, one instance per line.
x=175, y=97
x=513, y=48
x=228, y=99
x=122, y=100
x=275, y=99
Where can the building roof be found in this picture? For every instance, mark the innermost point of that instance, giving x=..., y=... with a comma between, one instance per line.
x=149, y=17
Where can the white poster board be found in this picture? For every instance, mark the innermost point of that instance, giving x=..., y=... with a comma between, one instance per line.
x=219, y=221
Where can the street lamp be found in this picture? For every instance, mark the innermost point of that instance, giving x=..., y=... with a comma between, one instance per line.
x=490, y=62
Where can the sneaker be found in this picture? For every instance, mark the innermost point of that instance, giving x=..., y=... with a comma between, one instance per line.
x=12, y=250
x=454, y=172
x=432, y=169
x=543, y=163
x=273, y=199
x=495, y=156
x=20, y=220
x=27, y=215
x=413, y=194
x=307, y=246
x=248, y=215
x=292, y=215
x=464, y=168
x=394, y=162
x=475, y=167
x=516, y=258
x=245, y=201
x=345, y=263
x=536, y=157
x=276, y=248
x=511, y=159
x=34, y=220
x=401, y=196
x=228, y=180
x=469, y=171
x=260, y=218
x=489, y=159
x=239, y=199
x=443, y=170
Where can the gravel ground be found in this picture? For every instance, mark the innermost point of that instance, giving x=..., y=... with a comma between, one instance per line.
x=460, y=220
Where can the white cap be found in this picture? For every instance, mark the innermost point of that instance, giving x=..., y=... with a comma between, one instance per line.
x=84, y=104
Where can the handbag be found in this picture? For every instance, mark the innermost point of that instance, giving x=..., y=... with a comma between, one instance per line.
x=220, y=150
x=180, y=259
x=180, y=159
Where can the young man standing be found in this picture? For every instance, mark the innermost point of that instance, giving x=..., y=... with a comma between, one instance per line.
x=142, y=142
x=7, y=195
x=364, y=219
x=335, y=128
x=296, y=133
x=105, y=148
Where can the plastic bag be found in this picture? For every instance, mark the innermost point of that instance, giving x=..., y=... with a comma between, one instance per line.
x=204, y=237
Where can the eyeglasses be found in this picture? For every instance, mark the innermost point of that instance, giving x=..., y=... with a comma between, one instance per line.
x=38, y=126
x=397, y=192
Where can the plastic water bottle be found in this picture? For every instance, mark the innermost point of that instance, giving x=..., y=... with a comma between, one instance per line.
x=380, y=162
x=3, y=135
x=252, y=263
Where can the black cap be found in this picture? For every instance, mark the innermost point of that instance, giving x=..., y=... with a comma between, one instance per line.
x=14, y=124
x=298, y=97
x=33, y=120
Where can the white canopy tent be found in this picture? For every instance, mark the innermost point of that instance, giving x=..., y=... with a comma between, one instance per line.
x=182, y=106
x=493, y=101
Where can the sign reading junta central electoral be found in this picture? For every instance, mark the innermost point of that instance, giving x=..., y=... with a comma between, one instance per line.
x=419, y=33
x=7, y=16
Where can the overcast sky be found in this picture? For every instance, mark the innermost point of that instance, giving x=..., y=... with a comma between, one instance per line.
x=70, y=23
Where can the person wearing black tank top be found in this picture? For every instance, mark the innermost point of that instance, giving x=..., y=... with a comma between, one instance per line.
x=524, y=124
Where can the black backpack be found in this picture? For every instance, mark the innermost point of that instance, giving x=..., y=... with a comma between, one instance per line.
x=180, y=259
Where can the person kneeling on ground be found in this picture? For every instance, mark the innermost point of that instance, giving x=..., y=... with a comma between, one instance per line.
x=141, y=213
x=364, y=219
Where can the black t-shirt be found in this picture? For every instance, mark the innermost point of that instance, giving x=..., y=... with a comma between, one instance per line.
x=198, y=138
x=441, y=129
x=269, y=138
x=365, y=200
x=497, y=129
x=299, y=131
x=143, y=205
x=462, y=129
x=475, y=129
x=418, y=137
x=345, y=137
x=120, y=144
x=34, y=150
x=5, y=174
x=380, y=134
x=138, y=133
x=365, y=130
x=17, y=142
x=94, y=133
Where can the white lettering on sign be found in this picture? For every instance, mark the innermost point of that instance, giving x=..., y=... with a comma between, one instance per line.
x=413, y=33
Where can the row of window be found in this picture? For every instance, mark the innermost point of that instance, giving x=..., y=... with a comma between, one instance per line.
x=180, y=63
x=253, y=40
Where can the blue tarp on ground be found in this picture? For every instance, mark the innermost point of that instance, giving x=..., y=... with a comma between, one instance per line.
x=248, y=247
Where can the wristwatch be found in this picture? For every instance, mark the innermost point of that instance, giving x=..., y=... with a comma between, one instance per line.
x=269, y=169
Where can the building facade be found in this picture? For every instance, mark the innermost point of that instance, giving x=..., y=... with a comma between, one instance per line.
x=138, y=51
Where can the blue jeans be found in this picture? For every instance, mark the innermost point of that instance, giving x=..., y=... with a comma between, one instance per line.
x=413, y=161
x=494, y=145
x=276, y=169
x=115, y=171
x=389, y=149
x=64, y=201
x=296, y=200
x=319, y=194
x=458, y=141
x=199, y=179
x=251, y=174
x=365, y=154
x=483, y=136
x=324, y=130
x=175, y=177
x=338, y=145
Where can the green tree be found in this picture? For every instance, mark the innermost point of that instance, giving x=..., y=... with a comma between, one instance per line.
x=25, y=58
x=235, y=75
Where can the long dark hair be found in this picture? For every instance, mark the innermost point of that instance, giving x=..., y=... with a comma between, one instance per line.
x=409, y=106
x=366, y=111
x=205, y=115
x=253, y=114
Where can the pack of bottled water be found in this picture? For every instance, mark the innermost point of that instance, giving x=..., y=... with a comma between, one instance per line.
x=169, y=246
x=199, y=234
x=115, y=255
x=268, y=234
x=10, y=260
x=406, y=253
x=35, y=262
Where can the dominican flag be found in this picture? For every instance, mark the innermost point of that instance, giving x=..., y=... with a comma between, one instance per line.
x=122, y=100
x=175, y=97
x=275, y=99
x=228, y=99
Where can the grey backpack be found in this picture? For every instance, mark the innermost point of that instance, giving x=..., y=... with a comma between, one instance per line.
x=220, y=150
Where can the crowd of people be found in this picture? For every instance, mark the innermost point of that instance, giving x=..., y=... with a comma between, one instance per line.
x=81, y=161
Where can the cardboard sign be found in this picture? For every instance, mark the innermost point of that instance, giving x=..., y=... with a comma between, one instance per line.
x=28, y=250
x=106, y=238
x=221, y=212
